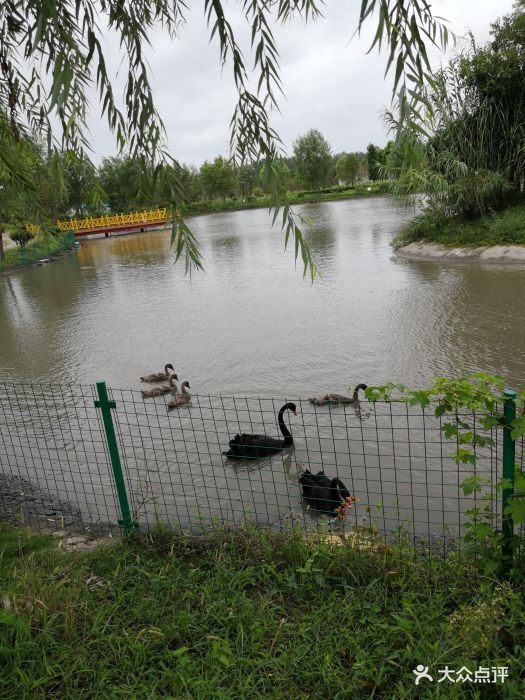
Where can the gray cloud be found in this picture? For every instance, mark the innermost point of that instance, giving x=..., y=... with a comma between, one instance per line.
x=329, y=82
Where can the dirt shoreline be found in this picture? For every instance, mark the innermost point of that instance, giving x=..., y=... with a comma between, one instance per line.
x=508, y=255
x=24, y=503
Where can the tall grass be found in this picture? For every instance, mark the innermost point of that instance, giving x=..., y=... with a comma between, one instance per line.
x=246, y=614
x=506, y=227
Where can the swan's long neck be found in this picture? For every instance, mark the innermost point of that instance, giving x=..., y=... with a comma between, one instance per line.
x=356, y=392
x=284, y=430
x=166, y=368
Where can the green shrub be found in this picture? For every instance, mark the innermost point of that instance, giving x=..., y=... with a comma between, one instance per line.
x=38, y=247
x=21, y=237
x=435, y=226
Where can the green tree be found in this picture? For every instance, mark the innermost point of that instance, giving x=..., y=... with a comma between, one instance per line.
x=168, y=179
x=247, y=178
x=473, y=161
x=36, y=192
x=2, y=231
x=496, y=75
x=8, y=198
x=21, y=238
x=80, y=179
x=127, y=182
x=313, y=158
x=52, y=53
x=191, y=183
x=218, y=178
x=347, y=167
x=374, y=165
x=50, y=183
x=272, y=171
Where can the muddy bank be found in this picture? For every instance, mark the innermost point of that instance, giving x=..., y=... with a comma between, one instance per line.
x=24, y=503
x=511, y=254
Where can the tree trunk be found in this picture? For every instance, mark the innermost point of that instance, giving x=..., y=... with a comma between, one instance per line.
x=2, y=254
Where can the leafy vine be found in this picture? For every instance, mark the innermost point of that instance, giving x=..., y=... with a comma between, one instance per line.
x=470, y=409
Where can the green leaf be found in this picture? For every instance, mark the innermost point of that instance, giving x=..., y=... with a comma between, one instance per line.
x=516, y=509
x=181, y=650
x=8, y=619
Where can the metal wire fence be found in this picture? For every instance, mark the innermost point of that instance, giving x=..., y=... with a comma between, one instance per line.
x=56, y=471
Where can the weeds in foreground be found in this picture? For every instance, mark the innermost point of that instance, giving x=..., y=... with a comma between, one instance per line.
x=240, y=614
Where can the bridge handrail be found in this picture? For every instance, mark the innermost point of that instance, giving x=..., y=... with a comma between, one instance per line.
x=88, y=223
x=136, y=217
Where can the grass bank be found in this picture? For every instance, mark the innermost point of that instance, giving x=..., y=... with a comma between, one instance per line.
x=504, y=228
x=36, y=250
x=219, y=205
x=244, y=615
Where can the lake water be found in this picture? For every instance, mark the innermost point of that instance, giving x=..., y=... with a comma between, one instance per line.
x=250, y=326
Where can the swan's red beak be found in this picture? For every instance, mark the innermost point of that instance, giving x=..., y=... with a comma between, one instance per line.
x=295, y=413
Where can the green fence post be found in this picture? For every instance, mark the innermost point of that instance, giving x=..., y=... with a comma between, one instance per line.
x=105, y=406
x=509, y=461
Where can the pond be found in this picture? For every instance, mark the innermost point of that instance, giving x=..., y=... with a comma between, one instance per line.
x=251, y=325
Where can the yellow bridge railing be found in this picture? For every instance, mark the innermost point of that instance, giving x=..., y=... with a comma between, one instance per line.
x=108, y=220
x=136, y=217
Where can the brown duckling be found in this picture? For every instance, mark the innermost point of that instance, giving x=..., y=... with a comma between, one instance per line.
x=338, y=398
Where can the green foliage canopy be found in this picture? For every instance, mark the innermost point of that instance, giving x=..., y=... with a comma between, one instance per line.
x=313, y=158
x=218, y=178
x=346, y=167
x=126, y=182
x=372, y=153
x=21, y=238
x=472, y=162
x=80, y=181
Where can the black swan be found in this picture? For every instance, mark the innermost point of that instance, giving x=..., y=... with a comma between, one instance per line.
x=170, y=388
x=338, y=398
x=180, y=399
x=158, y=376
x=325, y=495
x=248, y=446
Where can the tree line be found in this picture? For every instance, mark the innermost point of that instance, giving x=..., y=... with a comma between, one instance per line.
x=64, y=184
x=129, y=182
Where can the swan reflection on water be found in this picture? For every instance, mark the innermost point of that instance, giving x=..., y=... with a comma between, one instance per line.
x=256, y=465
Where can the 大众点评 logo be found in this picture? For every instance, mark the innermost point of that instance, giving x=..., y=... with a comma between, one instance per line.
x=483, y=674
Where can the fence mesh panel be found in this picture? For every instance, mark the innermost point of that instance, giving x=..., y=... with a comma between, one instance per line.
x=55, y=470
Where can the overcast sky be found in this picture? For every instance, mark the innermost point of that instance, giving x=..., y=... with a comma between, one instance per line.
x=329, y=82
